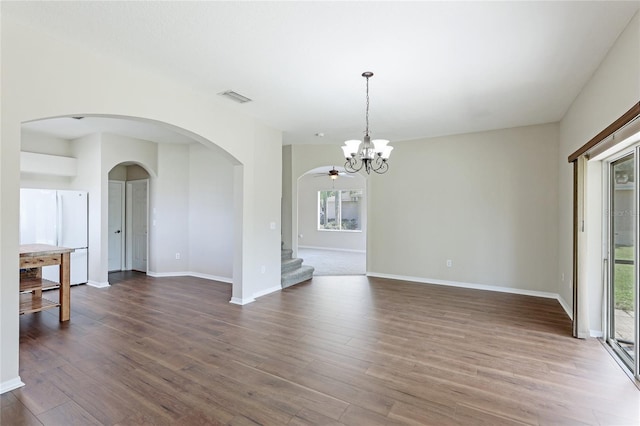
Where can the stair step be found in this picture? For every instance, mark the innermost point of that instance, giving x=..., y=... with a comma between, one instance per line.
x=290, y=264
x=286, y=253
x=303, y=273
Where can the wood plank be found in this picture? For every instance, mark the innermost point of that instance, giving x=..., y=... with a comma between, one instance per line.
x=30, y=304
x=40, y=261
x=18, y=414
x=41, y=398
x=65, y=286
x=27, y=250
x=69, y=413
x=37, y=284
x=338, y=350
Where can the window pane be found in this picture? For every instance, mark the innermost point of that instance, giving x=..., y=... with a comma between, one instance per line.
x=350, y=210
x=327, y=210
x=322, y=209
x=622, y=312
x=340, y=210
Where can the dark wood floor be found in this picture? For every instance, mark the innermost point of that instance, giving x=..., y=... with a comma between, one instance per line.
x=336, y=350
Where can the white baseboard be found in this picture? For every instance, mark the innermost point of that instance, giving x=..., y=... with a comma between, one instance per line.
x=332, y=249
x=524, y=292
x=10, y=385
x=167, y=274
x=239, y=301
x=267, y=291
x=190, y=274
x=596, y=333
x=212, y=277
x=565, y=306
x=97, y=284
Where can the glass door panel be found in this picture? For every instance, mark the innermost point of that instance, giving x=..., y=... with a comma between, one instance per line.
x=622, y=310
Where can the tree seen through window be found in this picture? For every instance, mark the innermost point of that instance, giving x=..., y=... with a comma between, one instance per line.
x=340, y=210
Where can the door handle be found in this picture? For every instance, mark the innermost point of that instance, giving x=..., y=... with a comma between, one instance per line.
x=117, y=232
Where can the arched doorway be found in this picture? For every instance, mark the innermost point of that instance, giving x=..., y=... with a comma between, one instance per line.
x=332, y=221
x=128, y=218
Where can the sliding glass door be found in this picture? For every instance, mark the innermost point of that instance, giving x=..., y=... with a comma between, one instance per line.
x=622, y=289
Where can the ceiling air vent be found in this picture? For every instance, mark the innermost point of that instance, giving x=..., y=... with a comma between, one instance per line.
x=235, y=96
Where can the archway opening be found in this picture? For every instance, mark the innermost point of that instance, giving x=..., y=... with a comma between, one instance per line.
x=188, y=182
x=332, y=221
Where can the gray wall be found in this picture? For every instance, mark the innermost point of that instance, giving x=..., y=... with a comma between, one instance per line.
x=486, y=201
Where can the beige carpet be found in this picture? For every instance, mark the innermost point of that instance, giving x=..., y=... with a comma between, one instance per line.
x=334, y=262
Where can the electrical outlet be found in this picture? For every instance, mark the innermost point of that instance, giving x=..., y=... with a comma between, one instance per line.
x=449, y=263
x=177, y=256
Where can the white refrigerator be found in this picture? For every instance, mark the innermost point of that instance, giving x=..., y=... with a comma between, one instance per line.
x=59, y=218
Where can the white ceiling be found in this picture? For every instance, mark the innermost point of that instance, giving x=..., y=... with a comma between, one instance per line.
x=440, y=67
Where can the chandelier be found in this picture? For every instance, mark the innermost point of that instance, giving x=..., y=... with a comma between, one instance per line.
x=373, y=155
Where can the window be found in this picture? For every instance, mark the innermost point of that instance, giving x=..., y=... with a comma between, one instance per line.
x=340, y=210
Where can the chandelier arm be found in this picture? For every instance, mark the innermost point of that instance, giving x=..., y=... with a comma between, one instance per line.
x=382, y=169
x=379, y=165
x=351, y=165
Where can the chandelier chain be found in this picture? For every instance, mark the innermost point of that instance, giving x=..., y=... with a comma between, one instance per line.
x=367, y=115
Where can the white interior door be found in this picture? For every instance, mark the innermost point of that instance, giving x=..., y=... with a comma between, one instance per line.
x=116, y=225
x=139, y=225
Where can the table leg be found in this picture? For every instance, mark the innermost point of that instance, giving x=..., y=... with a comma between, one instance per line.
x=65, y=290
x=38, y=293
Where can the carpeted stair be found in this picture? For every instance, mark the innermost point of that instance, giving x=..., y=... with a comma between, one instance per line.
x=292, y=270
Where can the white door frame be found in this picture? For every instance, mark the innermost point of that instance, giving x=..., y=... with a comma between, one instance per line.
x=608, y=332
x=129, y=222
x=123, y=222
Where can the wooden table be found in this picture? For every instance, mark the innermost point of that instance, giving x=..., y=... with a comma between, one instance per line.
x=32, y=258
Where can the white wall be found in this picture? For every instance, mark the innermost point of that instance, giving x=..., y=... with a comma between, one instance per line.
x=59, y=79
x=308, y=187
x=211, y=220
x=487, y=201
x=44, y=144
x=169, y=200
x=287, y=198
x=611, y=91
x=261, y=219
x=88, y=151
